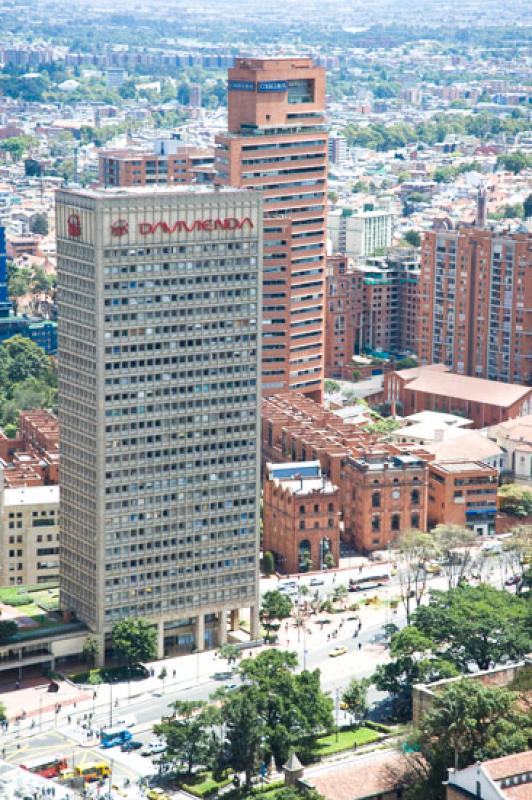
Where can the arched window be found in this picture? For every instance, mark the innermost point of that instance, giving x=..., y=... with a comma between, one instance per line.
x=301, y=509
x=331, y=508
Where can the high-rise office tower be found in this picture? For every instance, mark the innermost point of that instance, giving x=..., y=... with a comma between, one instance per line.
x=475, y=296
x=277, y=143
x=159, y=362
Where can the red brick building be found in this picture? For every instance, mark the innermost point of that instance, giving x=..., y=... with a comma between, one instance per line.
x=301, y=515
x=32, y=457
x=370, y=307
x=277, y=143
x=475, y=312
x=383, y=486
x=169, y=163
x=435, y=388
x=463, y=493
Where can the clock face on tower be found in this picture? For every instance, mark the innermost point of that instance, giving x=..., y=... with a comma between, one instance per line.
x=396, y=494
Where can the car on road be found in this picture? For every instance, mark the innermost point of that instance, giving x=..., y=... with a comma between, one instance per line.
x=512, y=580
x=156, y=794
x=338, y=651
x=230, y=687
x=127, y=747
x=434, y=568
x=153, y=748
x=317, y=581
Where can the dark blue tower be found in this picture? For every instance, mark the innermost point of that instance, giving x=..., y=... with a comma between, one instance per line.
x=5, y=304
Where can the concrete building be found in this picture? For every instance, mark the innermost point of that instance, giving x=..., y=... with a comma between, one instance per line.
x=475, y=311
x=29, y=534
x=301, y=513
x=360, y=233
x=337, y=149
x=370, y=308
x=383, y=486
x=463, y=493
x=277, y=143
x=515, y=438
x=116, y=77
x=195, y=95
x=159, y=388
x=435, y=388
x=169, y=162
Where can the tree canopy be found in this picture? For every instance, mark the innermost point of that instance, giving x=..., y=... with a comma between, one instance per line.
x=189, y=735
x=468, y=722
x=134, y=640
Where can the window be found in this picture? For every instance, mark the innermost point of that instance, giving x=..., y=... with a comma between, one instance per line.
x=301, y=509
x=396, y=522
x=376, y=500
x=414, y=520
x=331, y=508
x=375, y=523
x=302, y=525
x=415, y=497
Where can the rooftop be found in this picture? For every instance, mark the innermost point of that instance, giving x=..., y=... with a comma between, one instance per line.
x=462, y=387
x=463, y=466
x=31, y=495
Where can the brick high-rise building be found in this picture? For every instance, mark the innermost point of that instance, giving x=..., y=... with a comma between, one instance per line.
x=371, y=307
x=159, y=388
x=277, y=143
x=476, y=302
x=169, y=162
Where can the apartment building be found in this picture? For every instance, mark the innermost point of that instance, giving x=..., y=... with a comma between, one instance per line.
x=360, y=233
x=301, y=517
x=31, y=458
x=383, y=486
x=476, y=302
x=29, y=534
x=370, y=308
x=168, y=163
x=277, y=143
x=159, y=384
x=463, y=493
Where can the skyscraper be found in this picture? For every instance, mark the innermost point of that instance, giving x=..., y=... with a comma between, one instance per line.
x=158, y=406
x=277, y=143
x=476, y=302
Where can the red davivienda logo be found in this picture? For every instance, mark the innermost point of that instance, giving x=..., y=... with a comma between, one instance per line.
x=119, y=227
x=74, y=226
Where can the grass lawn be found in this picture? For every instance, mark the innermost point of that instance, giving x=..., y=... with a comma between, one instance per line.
x=347, y=739
x=204, y=784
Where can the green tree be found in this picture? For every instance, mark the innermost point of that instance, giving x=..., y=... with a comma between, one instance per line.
x=134, y=640
x=468, y=723
x=356, y=697
x=413, y=238
x=413, y=661
x=412, y=550
x=91, y=649
x=20, y=358
x=515, y=499
x=2, y=711
x=39, y=224
x=8, y=629
x=293, y=709
x=514, y=162
x=477, y=625
x=331, y=387
x=18, y=280
x=231, y=653
x=276, y=605
x=455, y=543
x=244, y=730
x=527, y=207
x=268, y=563
x=189, y=735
